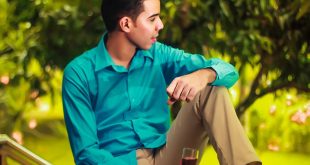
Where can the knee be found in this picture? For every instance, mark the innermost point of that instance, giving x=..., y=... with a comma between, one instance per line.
x=220, y=90
x=214, y=91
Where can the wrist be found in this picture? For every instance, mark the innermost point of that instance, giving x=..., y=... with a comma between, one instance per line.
x=210, y=75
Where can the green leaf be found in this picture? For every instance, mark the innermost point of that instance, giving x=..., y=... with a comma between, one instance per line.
x=304, y=9
x=225, y=7
x=3, y=13
x=263, y=4
x=34, y=68
x=274, y=4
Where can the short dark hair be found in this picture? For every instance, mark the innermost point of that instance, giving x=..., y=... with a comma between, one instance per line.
x=113, y=10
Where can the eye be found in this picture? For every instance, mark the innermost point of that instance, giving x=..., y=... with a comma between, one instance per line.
x=152, y=19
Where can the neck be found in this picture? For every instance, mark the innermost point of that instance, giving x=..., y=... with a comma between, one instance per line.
x=120, y=49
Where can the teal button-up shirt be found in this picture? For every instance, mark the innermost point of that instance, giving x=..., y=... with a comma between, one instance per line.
x=111, y=111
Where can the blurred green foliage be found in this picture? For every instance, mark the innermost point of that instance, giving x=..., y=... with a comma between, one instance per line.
x=267, y=157
x=280, y=123
x=267, y=40
x=37, y=39
x=272, y=37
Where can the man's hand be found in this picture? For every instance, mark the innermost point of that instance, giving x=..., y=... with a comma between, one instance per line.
x=186, y=87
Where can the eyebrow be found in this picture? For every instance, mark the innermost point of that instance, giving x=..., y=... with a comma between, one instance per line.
x=154, y=15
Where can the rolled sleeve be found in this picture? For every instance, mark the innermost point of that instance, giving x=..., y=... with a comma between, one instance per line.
x=226, y=74
x=176, y=63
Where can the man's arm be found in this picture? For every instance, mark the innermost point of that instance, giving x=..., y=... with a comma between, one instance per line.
x=181, y=73
x=186, y=87
x=81, y=123
x=176, y=63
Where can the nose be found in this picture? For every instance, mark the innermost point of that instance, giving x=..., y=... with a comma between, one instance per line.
x=159, y=25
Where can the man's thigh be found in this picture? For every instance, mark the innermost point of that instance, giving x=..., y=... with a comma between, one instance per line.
x=186, y=131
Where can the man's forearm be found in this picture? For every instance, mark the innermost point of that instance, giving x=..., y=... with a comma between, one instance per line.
x=208, y=75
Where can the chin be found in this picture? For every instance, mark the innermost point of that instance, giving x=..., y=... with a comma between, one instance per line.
x=145, y=47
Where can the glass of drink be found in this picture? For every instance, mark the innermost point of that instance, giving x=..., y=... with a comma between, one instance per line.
x=189, y=156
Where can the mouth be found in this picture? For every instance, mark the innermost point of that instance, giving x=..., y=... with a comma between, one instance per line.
x=154, y=39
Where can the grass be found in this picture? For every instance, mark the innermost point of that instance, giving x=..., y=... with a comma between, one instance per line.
x=57, y=151
x=54, y=150
x=267, y=157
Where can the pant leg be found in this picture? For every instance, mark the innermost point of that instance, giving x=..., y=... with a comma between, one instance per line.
x=186, y=131
x=210, y=113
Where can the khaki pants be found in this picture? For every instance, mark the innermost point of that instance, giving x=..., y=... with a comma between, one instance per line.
x=211, y=114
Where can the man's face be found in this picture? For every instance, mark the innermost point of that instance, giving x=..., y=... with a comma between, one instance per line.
x=147, y=25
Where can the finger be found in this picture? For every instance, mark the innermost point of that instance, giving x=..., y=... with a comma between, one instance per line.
x=172, y=86
x=191, y=95
x=171, y=101
x=184, y=93
x=178, y=90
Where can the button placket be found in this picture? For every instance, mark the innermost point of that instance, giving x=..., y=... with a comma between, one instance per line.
x=131, y=93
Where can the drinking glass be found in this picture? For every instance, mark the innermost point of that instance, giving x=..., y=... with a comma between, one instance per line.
x=189, y=156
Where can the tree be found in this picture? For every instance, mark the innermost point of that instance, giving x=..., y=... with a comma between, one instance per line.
x=271, y=35
x=38, y=38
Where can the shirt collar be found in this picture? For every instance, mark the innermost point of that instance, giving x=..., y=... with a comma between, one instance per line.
x=103, y=58
x=147, y=53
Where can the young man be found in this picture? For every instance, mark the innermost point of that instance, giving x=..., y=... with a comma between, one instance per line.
x=115, y=96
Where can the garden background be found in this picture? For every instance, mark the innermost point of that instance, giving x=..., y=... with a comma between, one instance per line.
x=267, y=40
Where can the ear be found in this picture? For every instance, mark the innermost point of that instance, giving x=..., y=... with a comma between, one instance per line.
x=125, y=24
